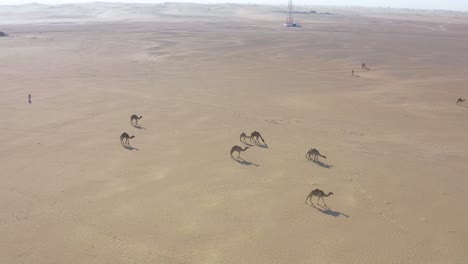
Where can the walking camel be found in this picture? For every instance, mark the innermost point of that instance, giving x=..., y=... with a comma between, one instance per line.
x=242, y=137
x=313, y=154
x=320, y=194
x=134, y=119
x=238, y=149
x=255, y=136
x=459, y=101
x=124, y=138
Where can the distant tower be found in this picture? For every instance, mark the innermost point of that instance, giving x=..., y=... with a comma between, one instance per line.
x=290, y=20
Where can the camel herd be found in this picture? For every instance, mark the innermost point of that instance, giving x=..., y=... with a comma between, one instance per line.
x=363, y=67
x=125, y=137
x=255, y=138
x=312, y=154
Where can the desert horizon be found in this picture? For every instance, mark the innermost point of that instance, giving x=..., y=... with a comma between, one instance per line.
x=392, y=138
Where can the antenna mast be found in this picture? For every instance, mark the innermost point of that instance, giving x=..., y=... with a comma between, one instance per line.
x=290, y=20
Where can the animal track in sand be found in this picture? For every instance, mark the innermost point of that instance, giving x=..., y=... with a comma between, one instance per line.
x=385, y=211
x=274, y=122
x=353, y=133
x=278, y=122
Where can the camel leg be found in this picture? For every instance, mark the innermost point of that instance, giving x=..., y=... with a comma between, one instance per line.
x=307, y=198
x=324, y=202
x=311, y=202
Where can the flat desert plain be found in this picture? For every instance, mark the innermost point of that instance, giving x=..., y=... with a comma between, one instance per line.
x=395, y=140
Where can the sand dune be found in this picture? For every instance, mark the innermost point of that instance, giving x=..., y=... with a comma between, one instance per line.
x=395, y=141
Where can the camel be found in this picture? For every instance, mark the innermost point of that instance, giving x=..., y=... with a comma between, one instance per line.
x=256, y=136
x=243, y=136
x=124, y=138
x=314, y=154
x=135, y=118
x=238, y=149
x=364, y=67
x=459, y=101
x=320, y=194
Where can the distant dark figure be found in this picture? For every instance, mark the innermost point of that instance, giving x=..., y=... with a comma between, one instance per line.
x=29, y=98
x=352, y=72
x=364, y=67
x=459, y=101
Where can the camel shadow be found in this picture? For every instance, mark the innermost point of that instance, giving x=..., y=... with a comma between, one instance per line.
x=245, y=143
x=323, y=165
x=130, y=147
x=139, y=127
x=328, y=211
x=264, y=145
x=244, y=162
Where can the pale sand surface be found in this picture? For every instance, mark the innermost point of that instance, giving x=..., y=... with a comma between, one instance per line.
x=396, y=142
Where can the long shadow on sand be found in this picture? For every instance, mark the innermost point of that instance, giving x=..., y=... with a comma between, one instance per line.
x=328, y=211
x=248, y=144
x=323, y=165
x=139, y=127
x=244, y=162
x=130, y=147
x=265, y=145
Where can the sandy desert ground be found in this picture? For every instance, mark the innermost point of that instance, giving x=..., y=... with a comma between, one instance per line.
x=396, y=142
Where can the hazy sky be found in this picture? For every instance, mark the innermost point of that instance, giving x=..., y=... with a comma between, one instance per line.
x=461, y=5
